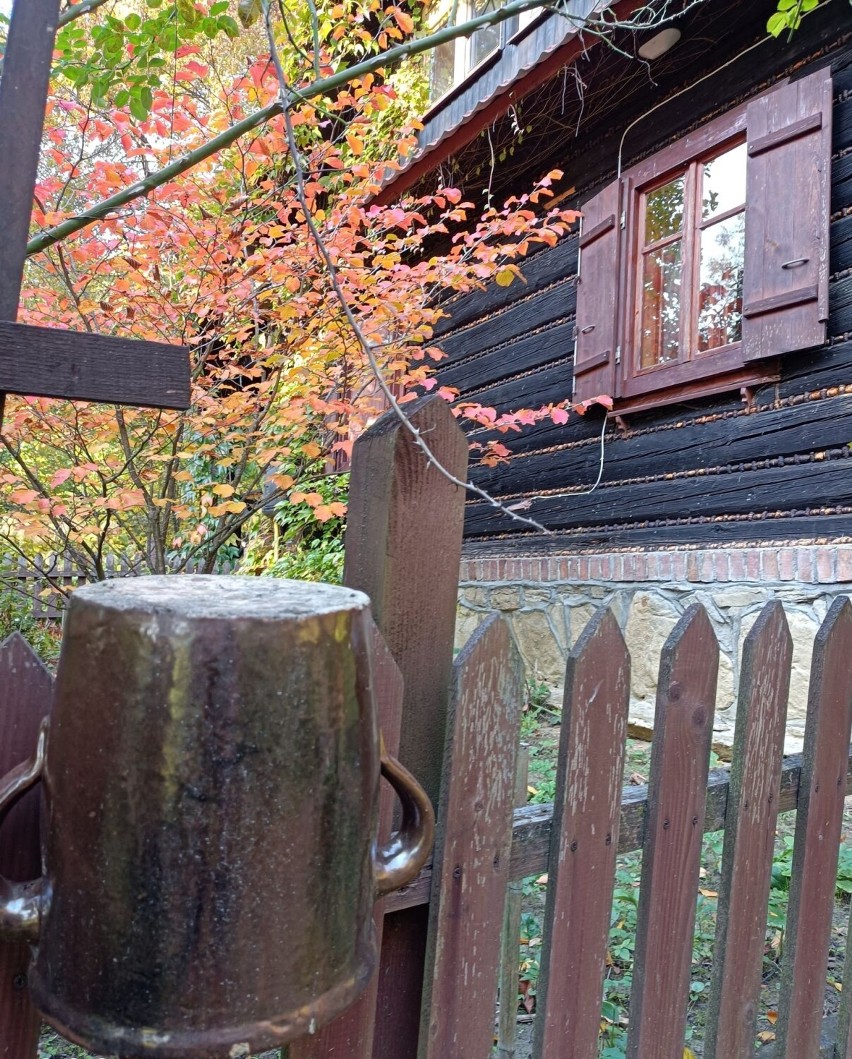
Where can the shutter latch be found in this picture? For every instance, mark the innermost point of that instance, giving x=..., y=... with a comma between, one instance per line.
x=618, y=354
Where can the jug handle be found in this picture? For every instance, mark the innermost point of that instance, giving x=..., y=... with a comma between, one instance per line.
x=398, y=862
x=20, y=903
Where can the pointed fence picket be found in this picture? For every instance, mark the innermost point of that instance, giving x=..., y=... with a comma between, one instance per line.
x=753, y=798
x=473, y=847
x=586, y=818
x=436, y=992
x=818, y=827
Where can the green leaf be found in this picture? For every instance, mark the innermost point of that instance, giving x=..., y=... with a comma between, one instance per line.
x=133, y=21
x=249, y=11
x=776, y=24
x=122, y=98
x=230, y=28
x=138, y=109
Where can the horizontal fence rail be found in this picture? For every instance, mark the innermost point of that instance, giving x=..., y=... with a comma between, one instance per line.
x=533, y=825
x=44, y=581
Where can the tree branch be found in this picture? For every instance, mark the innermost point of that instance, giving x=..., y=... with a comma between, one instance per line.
x=224, y=139
x=76, y=10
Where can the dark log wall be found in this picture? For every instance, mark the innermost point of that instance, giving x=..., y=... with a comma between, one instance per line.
x=713, y=470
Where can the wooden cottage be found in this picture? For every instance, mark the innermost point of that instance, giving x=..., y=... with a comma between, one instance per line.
x=709, y=291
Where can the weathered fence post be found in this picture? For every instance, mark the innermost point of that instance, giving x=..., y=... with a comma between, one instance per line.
x=403, y=548
x=26, y=690
x=212, y=780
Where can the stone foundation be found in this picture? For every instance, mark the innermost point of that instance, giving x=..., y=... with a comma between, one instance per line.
x=548, y=602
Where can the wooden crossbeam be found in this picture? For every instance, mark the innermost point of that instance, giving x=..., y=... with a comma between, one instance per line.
x=46, y=362
x=39, y=361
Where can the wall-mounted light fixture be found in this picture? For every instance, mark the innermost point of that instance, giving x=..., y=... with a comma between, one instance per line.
x=659, y=44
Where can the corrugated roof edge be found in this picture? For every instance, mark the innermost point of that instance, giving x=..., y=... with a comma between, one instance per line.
x=531, y=57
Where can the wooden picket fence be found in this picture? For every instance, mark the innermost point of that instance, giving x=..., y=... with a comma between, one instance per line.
x=456, y=724
x=45, y=581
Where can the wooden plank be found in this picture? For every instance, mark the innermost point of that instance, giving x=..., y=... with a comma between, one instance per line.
x=403, y=548
x=473, y=846
x=26, y=690
x=521, y=320
x=551, y=382
x=546, y=266
x=47, y=362
x=693, y=445
x=818, y=828
x=730, y=492
x=23, y=95
x=722, y=533
x=581, y=872
x=752, y=809
x=521, y=354
x=351, y=1035
x=680, y=755
x=510, y=946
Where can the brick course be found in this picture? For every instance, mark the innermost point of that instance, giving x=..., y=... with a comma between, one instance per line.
x=809, y=564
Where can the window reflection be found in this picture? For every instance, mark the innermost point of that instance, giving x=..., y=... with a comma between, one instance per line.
x=664, y=211
x=720, y=295
x=724, y=183
x=661, y=303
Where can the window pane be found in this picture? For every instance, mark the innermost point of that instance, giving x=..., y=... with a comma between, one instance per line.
x=724, y=185
x=487, y=39
x=664, y=211
x=442, y=69
x=720, y=294
x=661, y=274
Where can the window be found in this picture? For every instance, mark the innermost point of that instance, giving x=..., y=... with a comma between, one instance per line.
x=704, y=263
x=450, y=63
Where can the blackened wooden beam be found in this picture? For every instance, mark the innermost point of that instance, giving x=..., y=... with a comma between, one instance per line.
x=47, y=362
x=23, y=95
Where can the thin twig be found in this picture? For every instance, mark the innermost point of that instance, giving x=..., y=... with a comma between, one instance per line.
x=334, y=280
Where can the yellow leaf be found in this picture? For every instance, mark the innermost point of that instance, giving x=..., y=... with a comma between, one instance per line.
x=765, y=1035
x=688, y=1053
x=311, y=450
x=356, y=145
x=772, y=1017
x=505, y=277
x=223, y=490
x=708, y=893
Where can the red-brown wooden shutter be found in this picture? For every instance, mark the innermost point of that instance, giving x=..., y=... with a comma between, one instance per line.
x=785, y=287
x=597, y=296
